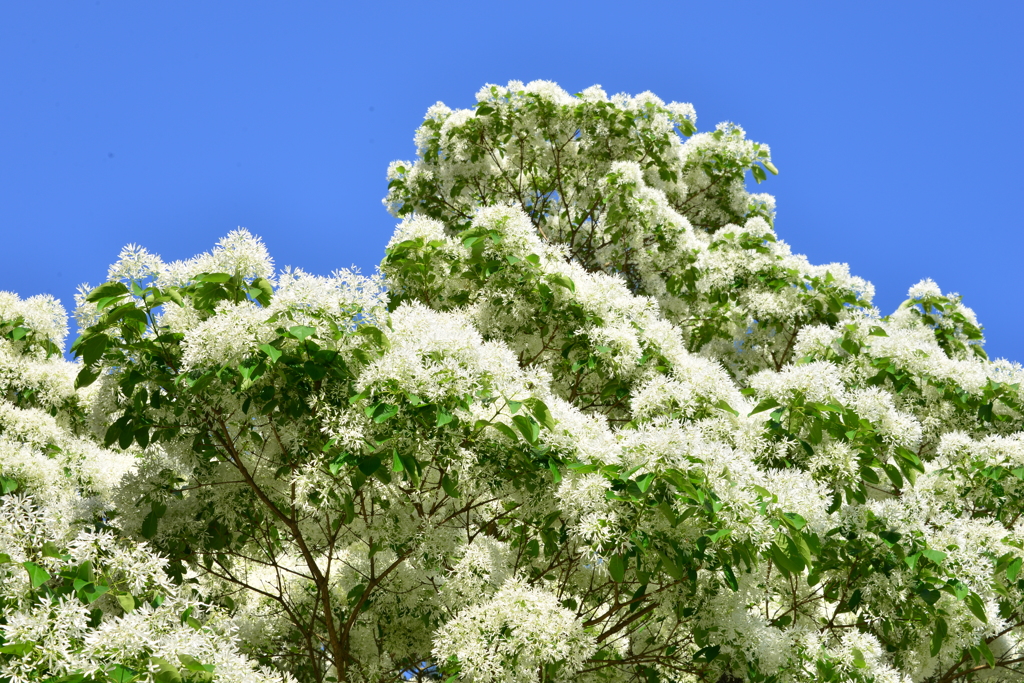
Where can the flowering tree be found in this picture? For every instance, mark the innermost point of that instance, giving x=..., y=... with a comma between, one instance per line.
x=592, y=421
x=78, y=603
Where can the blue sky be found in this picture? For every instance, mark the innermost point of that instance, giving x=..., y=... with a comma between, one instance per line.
x=896, y=126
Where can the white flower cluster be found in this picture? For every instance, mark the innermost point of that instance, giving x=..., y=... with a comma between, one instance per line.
x=42, y=315
x=239, y=253
x=510, y=637
x=439, y=355
x=141, y=626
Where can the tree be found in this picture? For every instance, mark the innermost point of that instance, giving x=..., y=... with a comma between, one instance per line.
x=593, y=421
x=78, y=603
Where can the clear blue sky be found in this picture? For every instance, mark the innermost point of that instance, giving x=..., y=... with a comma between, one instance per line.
x=896, y=126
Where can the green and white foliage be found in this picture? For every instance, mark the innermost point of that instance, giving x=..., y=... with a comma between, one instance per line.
x=593, y=421
x=77, y=603
x=625, y=186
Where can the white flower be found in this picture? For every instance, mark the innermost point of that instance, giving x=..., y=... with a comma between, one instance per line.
x=239, y=253
x=507, y=638
x=135, y=263
x=924, y=289
x=42, y=314
x=228, y=337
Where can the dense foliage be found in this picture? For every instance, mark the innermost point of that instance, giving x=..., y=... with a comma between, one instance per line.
x=592, y=421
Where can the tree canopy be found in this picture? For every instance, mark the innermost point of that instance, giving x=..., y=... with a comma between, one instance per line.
x=591, y=421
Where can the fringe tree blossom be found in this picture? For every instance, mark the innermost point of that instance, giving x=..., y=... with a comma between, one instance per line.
x=593, y=420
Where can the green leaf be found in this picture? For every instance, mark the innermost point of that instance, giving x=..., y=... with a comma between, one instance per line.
x=670, y=567
x=936, y=556
x=562, y=281
x=707, y=654
x=125, y=438
x=193, y=664
x=19, y=649
x=448, y=484
x=300, y=332
x=166, y=672
x=396, y=463
x=939, y=635
x=890, y=537
x=335, y=465
x=86, y=376
x=273, y=353
x=174, y=295
x=91, y=350
x=794, y=520
x=107, y=289
x=264, y=291
x=85, y=573
x=1014, y=569
x=313, y=371
x=527, y=427
x=644, y=482
x=790, y=562
x=374, y=334
x=764, y=405
x=5, y=559
x=126, y=601
x=815, y=434
x=382, y=411
x=369, y=465
x=910, y=458
x=50, y=550
x=730, y=577
x=18, y=332
x=722, y=405
x=986, y=654
x=93, y=591
x=505, y=429
x=356, y=593
x=121, y=674
x=36, y=574
x=911, y=560
x=800, y=544
x=142, y=436
x=894, y=475
x=217, y=278
x=869, y=475
x=149, y=523
x=542, y=413
x=555, y=473
x=977, y=607
x=617, y=568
